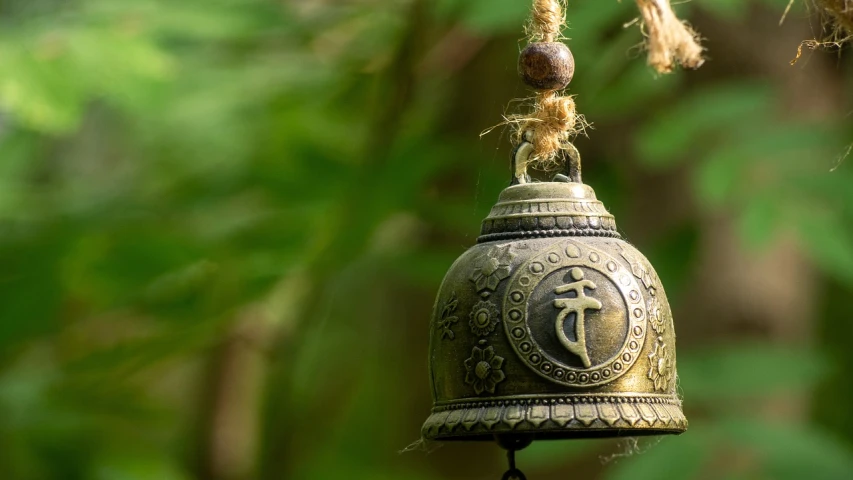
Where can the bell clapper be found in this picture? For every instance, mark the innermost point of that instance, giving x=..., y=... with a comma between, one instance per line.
x=513, y=443
x=573, y=162
x=513, y=473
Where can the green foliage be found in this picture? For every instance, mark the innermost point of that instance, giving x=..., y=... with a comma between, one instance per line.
x=761, y=165
x=719, y=373
x=172, y=171
x=731, y=382
x=684, y=458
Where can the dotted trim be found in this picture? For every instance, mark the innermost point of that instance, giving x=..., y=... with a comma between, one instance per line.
x=573, y=400
x=571, y=232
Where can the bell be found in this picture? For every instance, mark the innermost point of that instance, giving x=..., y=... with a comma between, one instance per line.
x=552, y=326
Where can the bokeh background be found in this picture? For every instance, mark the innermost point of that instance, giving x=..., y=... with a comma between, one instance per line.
x=223, y=223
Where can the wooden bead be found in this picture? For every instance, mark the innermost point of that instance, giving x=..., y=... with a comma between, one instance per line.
x=546, y=65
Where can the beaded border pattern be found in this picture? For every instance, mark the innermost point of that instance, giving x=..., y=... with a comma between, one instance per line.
x=555, y=400
x=571, y=232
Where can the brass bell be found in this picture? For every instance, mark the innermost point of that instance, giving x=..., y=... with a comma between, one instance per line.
x=552, y=326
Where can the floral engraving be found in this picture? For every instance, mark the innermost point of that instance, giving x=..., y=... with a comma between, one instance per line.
x=640, y=269
x=491, y=269
x=657, y=318
x=446, y=319
x=484, y=316
x=484, y=370
x=660, y=366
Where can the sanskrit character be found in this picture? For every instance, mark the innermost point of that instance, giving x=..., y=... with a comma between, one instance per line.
x=577, y=305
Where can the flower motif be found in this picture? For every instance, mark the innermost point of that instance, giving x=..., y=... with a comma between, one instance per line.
x=660, y=366
x=446, y=319
x=640, y=269
x=656, y=316
x=492, y=268
x=484, y=370
x=484, y=317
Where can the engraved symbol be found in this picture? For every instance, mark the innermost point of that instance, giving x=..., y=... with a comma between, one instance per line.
x=484, y=370
x=483, y=318
x=657, y=317
x=578, y=292
x=660, y=366
x=447, y=319
x=491, y=269
x=577, y=305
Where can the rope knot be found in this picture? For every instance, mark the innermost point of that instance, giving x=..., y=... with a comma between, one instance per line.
x=552, y=124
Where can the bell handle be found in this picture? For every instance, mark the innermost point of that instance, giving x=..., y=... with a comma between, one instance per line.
x=572, y=160
x=521, y=158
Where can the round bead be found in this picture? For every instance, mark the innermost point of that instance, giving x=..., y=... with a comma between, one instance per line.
x=546, y=65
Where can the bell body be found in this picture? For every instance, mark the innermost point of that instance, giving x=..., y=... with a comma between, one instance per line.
x=552, y=326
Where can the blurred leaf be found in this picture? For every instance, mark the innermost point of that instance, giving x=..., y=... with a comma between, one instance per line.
x=748, y=370
x=673, y=256
x=424, y=267
x=634, y=91
x=727, y=9
x=828, y=241
x=675, y=458
x=671, y=134
x=718, y=178
x=142, y=467
x=791, y=452
x=759, y=219
x=30, y=287
x=548, y=455
x=489, y=16
x=20, y=152
x=39, y=90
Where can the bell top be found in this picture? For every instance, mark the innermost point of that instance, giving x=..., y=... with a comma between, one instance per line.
x=547, y=209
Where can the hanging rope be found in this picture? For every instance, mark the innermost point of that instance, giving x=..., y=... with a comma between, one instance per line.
x=668, y=40
x=546, y=21
x=548, y=67
x=839, y=15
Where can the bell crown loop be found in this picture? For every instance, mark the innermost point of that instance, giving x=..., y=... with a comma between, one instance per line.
x=521, y=158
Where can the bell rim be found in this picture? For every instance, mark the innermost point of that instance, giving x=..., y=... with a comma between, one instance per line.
x=557, y=417
x=567, y=434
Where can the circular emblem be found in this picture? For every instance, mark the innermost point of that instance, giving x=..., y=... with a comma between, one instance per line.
x=573, y=315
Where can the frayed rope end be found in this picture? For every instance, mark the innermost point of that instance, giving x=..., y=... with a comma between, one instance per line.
x=670, y=41
x=421, y=445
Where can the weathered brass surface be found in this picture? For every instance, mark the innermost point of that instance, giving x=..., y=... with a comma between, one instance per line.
x=552, y=326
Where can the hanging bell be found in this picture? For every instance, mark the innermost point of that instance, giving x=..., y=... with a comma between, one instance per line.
x=552, y=326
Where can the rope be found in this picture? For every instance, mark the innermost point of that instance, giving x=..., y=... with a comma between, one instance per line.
x=669, y=40
x=554, y=119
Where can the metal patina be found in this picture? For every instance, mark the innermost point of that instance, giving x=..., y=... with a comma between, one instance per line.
x=552, y=326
